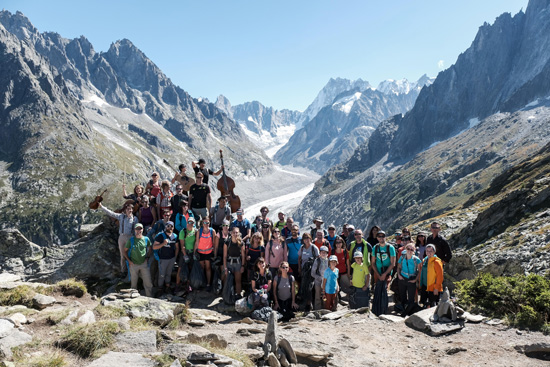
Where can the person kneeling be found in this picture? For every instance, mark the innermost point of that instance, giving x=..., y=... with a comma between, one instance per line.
x=260, y=285
x=284, y=291
x=330, y=284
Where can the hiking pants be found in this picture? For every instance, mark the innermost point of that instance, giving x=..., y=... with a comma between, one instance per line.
x=200, y=212
x=285, y=308
x=122, y=239
x=407, y=292
x=143, y=272
x=318, y=297
x=428, y=298
x=165, y=271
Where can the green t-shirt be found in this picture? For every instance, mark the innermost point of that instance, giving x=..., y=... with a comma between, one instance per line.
x=359, y=274
x=383, y=256
x=139, y=251
x=189, y=240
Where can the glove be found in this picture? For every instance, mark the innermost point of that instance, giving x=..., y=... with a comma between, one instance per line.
x=186, y=259
x=196, y=256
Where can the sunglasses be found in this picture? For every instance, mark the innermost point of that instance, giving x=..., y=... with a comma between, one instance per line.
x=139, y=229
x=154, y=175
x=380, y=236
x=284, y=267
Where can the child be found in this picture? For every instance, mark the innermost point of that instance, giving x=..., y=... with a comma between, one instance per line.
x=360, y=282
x=317, y=272
x=330, y=284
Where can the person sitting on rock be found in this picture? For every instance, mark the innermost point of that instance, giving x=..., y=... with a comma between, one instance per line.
x=204, y=250
x=200, y=197
x=317, y=272
x=146, y=214
x=431, y=278
x=175, y=203
x=442, y=248
x=164, y=197
x=126, y=223
x=136, y=251
x=284, y=290
x=183, y=179
x=168, y=248
x=260, y=285
x=329, y=287
x=234, y=258
x=408, y=272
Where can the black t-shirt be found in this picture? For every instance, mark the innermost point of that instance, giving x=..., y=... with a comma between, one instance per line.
x=168, y=251
x=262, y=279
x=442, y=248
x=200, y=193
x=205, y=172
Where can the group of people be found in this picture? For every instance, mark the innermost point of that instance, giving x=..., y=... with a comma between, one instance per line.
x=271, y=262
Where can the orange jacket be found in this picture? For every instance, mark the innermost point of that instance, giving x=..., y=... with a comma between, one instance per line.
x=435, y=274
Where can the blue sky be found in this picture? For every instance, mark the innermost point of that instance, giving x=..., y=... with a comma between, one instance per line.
x=280, y=53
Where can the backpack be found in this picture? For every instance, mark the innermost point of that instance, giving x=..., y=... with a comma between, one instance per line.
x=290, y=278
x=162, y=197
x=271, y=245
x=147, y=243
x=211, y=234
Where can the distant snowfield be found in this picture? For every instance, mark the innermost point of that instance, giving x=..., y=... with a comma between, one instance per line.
x=285, y=203
x=270, y=144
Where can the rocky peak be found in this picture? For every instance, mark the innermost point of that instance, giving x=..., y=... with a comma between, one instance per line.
x=18, y=24
x=223, y=104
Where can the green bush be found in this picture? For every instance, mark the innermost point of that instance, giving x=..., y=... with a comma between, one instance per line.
x=86, y=340
x=524, y=300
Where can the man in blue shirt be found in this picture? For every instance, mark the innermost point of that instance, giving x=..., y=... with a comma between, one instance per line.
x=293, y=244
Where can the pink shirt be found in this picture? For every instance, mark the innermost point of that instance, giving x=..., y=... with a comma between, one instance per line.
x=275, y=255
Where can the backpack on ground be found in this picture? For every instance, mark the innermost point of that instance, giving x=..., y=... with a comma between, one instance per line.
x=228, y=292
x=197, y=279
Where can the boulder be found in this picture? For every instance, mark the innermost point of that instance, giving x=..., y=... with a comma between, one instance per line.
x=420, y=320
x=213, y=339
x=156, y=310
x=40, y=301
x=536, y=350
x=6, y=327
x=310, y=355
x=87, y=318
x=253, y=354
x=144, y=342
x=18, y=319
x=118, y=359
x=437, y=329
x=287, y=349
x=182, y=351
x=272, y=360
x=13, y=339
x=70, y=318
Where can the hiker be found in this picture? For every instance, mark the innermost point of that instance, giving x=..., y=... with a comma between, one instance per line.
x=408, y=272
x=372, y=239
x=260, y=285
x=360, y=281
x=200, y=197
x=317, y=272
x=332, y=236
x=284, y=290
x=382, y=262
x=256, y=226
x=318, y=227
x=320, y=241
x=443, y=250
x=136, y=195
x=307, y=251
x=253, y=252
x=199, y=166
x=431, y=278
x=234, y=258
x=360, y=244
x=293, y=245
x=136, y=251
x=166, y=243
x=204, y=250
x=187, y=238
x=351, y=235
x=182, y=216
x=266, y=232
x=159, y=225
x=345, y=232
x=126, y=224
x=224, y=237
x=341, y=254
x=405, y=240
x=153, y=186
x=287, y=229
x=175, y=202
x=264, y=211
x=421, y=245
x=329, y=287
x=182, y=178
x=243, y=225
x=275, y=251
x=219, y=213
x=164, y=197
x=281, y=223
x=146, y=215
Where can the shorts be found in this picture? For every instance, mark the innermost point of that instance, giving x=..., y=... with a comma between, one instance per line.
x=234, y=267
x=205, y=257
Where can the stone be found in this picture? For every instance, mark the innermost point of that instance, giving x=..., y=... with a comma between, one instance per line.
x=214, y=339
x=247, y=320
x=420, y=320
x=40, y=301
x=87, y=318
x=494, y=322
x=9, y=278
x=272, y=360
x=196, y=322
x=440, y=329
x=202, y=357
x=118, y=359
x=182, y=351
x=536, y=350
x=6, y=327
x=285, y=346
x=70, y=318
x=473, y=318
x=180, y=334
x=176, y=363
x=391, y=318
x=164, y=335
x=254, y=344
x=13, y=339
x=152, y=309
x=270, y=341
x=18, y=319
x=253, y=354
x=311, y=355
x=123, y=322
x=455, y=350
x=128, y=290
x=136, y=342
x=445, y=308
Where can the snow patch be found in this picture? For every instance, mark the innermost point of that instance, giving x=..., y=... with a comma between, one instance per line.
x=533, y=104
x=434, y=144
x=95, y=99
x=473, y=122
x=346, y=103
x=285, y=203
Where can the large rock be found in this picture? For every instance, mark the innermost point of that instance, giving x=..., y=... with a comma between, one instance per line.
x=138, y=342
x=308, y=356
x=117, y=359
x=213, y=339
x=420, y=320
x=182, y=351
x=536, y=350
x=6, y=327
x=87, y=318
x=40, y=301
x=156, y=310
x=13, y=339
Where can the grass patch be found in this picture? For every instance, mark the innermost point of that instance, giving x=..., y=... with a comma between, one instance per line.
x=89, y=340
x=47, y=359
x=523, y=300
x=71, y=287
x=163, y=360
x=141, y=323
x=109, y=312
x=20, y=295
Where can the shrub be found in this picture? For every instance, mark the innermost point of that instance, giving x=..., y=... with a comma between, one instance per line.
x=86, y=340
x=71, y=287
x=524, y=300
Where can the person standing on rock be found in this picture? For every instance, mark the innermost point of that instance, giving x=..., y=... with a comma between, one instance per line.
x=184, y=180
x=442, y=248
x=317, y=272
x=126, y=223
x=164, y=198
x=372, y=239
x=383, y=261
x=187, y=239
x=264, y=211
x=361, y=245
x=136, y=251
x=281, y=223
x=234, y=259
x=153, y=186
x=275, y=251
x=330, y=288
x=360, y=292
x=287, y=229
x=421, y=245
x=408, y=272
x=199, y=166
x=146, y=214
x=175, y=203
x=200, y=198
x=219, y=213
x=166, y=243
x=431, y=278
x=332, y=236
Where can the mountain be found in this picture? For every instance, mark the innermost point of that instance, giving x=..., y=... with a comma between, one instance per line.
x=81, y=121
x=482, y=116
x=265, y=126
x=346, y=121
